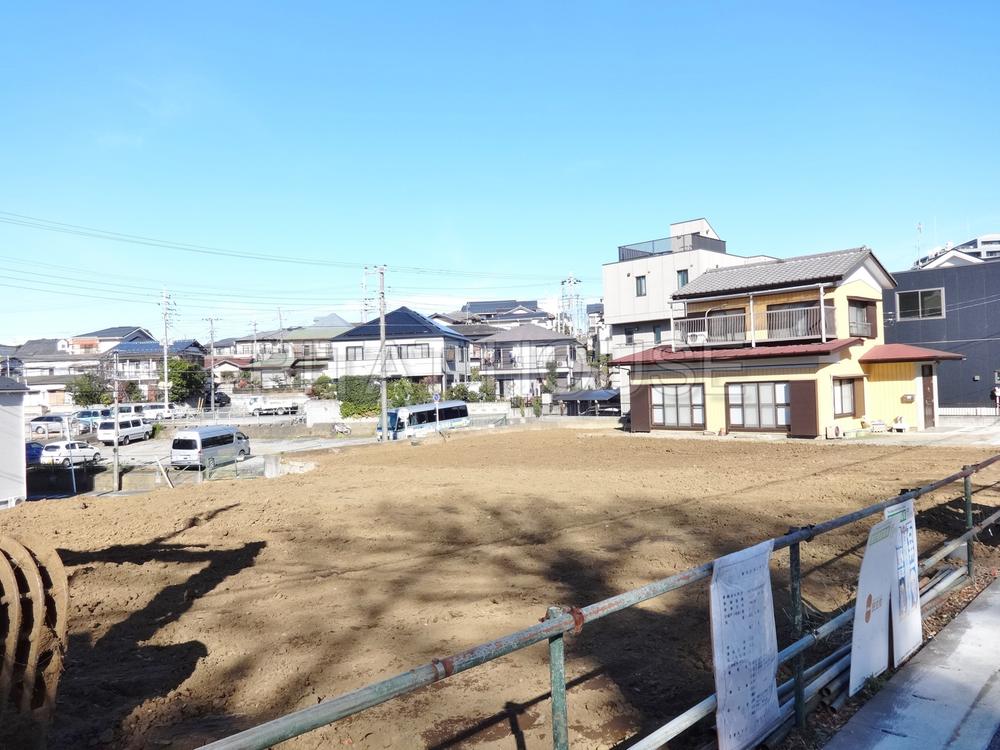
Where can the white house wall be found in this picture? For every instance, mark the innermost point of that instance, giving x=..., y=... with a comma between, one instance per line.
x=12, y=469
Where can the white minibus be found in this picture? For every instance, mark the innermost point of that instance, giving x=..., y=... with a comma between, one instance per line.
x=425, y=419
x=208, y=447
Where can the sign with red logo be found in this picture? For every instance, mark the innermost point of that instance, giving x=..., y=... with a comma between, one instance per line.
x=870, y=641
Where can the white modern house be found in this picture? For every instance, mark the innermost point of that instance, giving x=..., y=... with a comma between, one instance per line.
x=13, y=473
x=520, y=359
x=416, y=348
x=639, y=288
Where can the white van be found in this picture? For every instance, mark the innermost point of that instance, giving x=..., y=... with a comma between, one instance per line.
x=425, y=419
x=208, y=447
x=129, y=429
x=130, y=410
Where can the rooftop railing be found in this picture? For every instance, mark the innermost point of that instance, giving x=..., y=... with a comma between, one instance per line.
x=797, y=693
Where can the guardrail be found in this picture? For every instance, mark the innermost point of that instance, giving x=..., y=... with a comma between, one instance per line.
x=804, y=687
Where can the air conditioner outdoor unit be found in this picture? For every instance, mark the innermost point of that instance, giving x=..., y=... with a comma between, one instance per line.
x=697, y=338
x=833, y=432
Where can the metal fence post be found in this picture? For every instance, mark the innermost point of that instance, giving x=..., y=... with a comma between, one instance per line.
x=795, y=589
x=967, y=491
x=557, y=675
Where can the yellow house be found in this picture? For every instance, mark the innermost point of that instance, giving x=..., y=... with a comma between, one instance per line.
x=793, y=346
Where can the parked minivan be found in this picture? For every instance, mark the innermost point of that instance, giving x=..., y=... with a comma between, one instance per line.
x=208, y=447
x=128, y=430
x=130, y=410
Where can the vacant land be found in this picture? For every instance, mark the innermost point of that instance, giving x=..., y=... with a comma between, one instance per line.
x=201, y=611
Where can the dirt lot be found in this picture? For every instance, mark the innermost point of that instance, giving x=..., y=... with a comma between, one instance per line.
x=200, y=611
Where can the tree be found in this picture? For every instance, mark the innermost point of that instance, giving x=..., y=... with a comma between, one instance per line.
x=89, y=388
x=551, y=384
x=324, y=387
x=404, y=392
x=488, y=389
x=130, y=391
x=461, y=392
x=186, y=379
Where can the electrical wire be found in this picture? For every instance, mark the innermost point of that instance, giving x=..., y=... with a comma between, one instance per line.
x=33, y=222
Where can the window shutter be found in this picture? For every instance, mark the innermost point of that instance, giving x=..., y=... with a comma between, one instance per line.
x=640, y=414
x=802, y=397
x=859, y=396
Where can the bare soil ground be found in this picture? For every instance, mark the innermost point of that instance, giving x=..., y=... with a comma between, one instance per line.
x=201, y=611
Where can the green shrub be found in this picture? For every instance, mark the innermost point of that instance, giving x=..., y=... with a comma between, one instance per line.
x=324, y=387
x=359, y=396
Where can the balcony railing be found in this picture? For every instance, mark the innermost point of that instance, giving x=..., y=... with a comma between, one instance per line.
x=779, y=325
x=859, y=328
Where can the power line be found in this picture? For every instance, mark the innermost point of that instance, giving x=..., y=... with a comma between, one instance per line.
x=49, y=225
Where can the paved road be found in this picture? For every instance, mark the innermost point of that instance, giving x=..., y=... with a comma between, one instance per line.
x=947, y=696
x=147, y=451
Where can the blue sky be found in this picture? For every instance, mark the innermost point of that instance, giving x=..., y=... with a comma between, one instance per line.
x=516, y=143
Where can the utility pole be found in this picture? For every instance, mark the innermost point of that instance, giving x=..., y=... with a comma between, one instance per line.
x=115, y=470
x=383, y=395
x=211, y=370
x=253, y=358
x=166, y=367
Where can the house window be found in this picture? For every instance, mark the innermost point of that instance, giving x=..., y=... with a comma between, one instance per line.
x=758, y=406
x=924, y=303
x=678, y=406
x=640, y=286
x=449, y=354
x=630, y=335
x=355, y=353
x=843, y=398
x=859, y=317
x=657, y=334
x=416, y=351
x=682, y=278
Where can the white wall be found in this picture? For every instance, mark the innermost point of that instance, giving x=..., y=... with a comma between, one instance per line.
x=13, y=487
x=434, y=365
x=621, y=305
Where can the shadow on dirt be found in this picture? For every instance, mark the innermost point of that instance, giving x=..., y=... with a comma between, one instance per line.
x=106, y=678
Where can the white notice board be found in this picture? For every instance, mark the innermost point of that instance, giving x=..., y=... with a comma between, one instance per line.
x=744, y=646
x=907, y=627
x=870, y=640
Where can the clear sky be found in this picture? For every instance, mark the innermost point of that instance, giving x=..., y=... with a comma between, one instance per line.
x=511, y=144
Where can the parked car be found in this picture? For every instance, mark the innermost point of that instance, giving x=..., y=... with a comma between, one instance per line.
x=67, y=452
x=48, y=424
x=129, y=429
x=221, y=399
x=130, y=410
x=91, y=416
x=156, y=412
x=33, y=453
